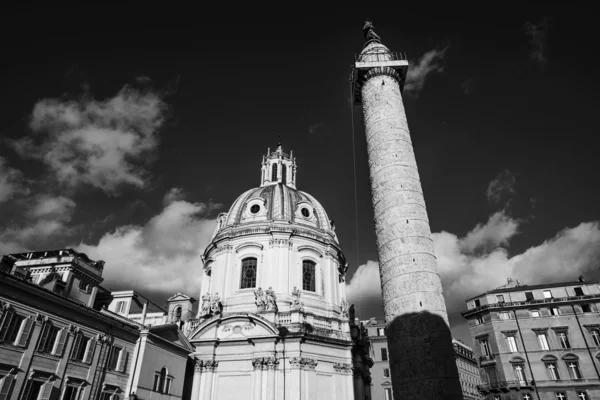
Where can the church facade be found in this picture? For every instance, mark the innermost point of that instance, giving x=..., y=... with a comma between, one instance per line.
x=273, y=321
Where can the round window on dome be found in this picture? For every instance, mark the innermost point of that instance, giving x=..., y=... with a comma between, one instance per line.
x=255, y=209
x=305, y=212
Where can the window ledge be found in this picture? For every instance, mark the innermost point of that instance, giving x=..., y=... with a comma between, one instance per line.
x=12, y=346
x=78, y=362
x=47, y=355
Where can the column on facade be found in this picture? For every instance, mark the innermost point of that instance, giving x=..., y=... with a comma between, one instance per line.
x=209, y=368
x=229, y=270
x=196, y=383
x=294, y=383
x=271, y=363
x=257, y=379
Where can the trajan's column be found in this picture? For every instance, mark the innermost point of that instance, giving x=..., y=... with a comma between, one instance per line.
x=421, y=354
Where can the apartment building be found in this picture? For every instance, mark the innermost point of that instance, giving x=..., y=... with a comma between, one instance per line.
x=538, y=341
x=468, y=370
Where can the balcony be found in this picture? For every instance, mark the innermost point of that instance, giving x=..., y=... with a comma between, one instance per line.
x=527, y=304
x=487, y=359
x=505, y=386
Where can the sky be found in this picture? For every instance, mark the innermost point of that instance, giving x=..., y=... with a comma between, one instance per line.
x=124, y=135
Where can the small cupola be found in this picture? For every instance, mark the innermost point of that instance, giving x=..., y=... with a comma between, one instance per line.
x=278, y=167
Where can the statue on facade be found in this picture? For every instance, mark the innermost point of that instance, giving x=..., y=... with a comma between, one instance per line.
x=296, y=298
x=344, y=308
x=271, y=299
x=215, y=304
x=260, y=300
x=368, y=31
x=205, y=308
x=351, y=313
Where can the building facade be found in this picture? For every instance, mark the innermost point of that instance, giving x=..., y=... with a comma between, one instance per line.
x=381, y=388
x=468, y=370
x=55, y=346
x=273, y=321
x=540, y=341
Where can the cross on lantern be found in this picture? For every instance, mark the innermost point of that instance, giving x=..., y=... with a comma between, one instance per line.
x=582, y=396
x=561, y=396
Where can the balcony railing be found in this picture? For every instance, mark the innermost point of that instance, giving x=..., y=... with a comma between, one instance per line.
x=382, y=55
x=554, y=300
x=505, y=385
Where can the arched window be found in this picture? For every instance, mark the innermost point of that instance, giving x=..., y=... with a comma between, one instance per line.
x=274, y=173
x=162, y=381
x=248, y=273
x=283, y=173
x=308, y=275
x=163, y=378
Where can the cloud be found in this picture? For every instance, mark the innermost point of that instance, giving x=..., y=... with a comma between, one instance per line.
x=46, y=218
x=10, y=181
x=570, y=253
x=172, y=195
x=500, y=187
x=161, y=256
x=429, y=63
x=104, y=144
x=312, y=129
x=495, y=232
x=538, y=34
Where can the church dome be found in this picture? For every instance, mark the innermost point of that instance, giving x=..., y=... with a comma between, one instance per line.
x=278, y=202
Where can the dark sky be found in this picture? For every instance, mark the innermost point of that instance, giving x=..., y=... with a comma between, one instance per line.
x=511, y=98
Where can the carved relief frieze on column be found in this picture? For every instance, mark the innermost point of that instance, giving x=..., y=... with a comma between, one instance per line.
x=303, y=363
x=210, y=365
x=343, y=368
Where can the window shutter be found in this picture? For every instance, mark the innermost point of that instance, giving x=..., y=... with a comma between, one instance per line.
x=25, y=332
x=5, y=385
x=89, y=351
x=76, y=346
x=122, y=360
x=59, y=343
x=5, y=323
x=44, y=337
x=45, y=391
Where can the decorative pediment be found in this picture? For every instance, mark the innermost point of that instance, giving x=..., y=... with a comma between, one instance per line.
x=517, y=360
x=180, y=297
x=570, y=357
x=309, y=248
x=549, y=358
x=257, y=246
x=236, y=326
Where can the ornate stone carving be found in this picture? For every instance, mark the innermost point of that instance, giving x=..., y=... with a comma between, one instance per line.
x=296, y=298
x=343, y=368
x=198, y=366
x=215, y=304
x=303, y=363
x=271, y=299
x=205, y=308
x=369, y=33
x=257, y=363
x=209, y=365
x=259, y=296
x=344, y=308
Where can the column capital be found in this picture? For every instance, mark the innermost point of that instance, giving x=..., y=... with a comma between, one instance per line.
x=303, y=363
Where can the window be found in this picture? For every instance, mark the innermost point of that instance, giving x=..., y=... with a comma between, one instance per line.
x=595, y=337
x=554, y=311
x=384, y=355
x=274, y=173
x=48, y=338
x=578, y=291
x=552, y=371
x=120, y=307
x=528, y=296
x=543, y=341
x=37, y=389
x=9, y=329
x=388, y=394
x=582, y=396
x=574, y=371
x=73, y=391
x=520, y=374
x=305, y=212
x=118, y=359
x=83, y=349
x=535, y=313
x=380, y=331
x=254, y=209
x=110, y=394
x=283, y=173
x=6, y=383
x=547, y=294
x=526, y=396
x=162, y=381
x=308, y=276
x=477, y=303
x=504, y=315
x=512, y=344
x=500, y=298
x=586, y=308
x=485, y=347
x=564, y=340
x=84, y=286
x=248, y=273
x=386, y=372
x=561, y=396
x=479, y=320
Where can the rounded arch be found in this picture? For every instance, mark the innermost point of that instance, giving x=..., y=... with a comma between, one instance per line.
x=310, y=249
x=570, y=357
x=212, y=329
x=549, y=358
